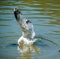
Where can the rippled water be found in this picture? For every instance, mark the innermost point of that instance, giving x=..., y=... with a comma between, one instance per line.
x=45, y=15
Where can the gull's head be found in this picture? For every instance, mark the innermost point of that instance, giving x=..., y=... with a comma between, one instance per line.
x=16, y=12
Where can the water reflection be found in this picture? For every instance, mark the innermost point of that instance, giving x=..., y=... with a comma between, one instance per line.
x=26, y=50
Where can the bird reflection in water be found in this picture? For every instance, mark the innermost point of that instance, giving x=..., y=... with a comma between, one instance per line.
x=26, y=50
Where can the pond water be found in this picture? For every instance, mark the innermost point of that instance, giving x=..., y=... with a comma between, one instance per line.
x=45, y=15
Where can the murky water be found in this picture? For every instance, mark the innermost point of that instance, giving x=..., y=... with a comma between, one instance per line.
x=45, y=15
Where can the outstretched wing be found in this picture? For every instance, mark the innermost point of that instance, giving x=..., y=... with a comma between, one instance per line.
x=26, y=25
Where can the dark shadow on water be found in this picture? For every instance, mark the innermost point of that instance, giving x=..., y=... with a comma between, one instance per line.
x=9, y=45
x=12, y=45
x=38, y=43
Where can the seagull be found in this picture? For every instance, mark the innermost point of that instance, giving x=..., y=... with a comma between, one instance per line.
x=27, y=28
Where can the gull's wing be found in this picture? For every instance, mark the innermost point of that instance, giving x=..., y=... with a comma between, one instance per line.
x=26, y=25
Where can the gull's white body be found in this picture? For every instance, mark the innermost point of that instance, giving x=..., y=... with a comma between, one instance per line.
x=27, y=30
x=26, y=41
